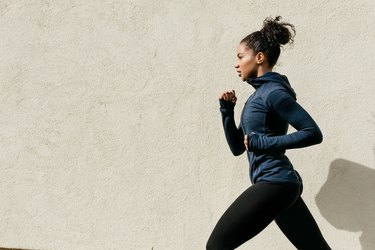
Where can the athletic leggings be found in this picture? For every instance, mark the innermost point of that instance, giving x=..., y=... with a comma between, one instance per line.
x=257, y=207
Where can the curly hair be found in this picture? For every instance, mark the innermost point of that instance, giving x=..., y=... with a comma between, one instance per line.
x=270, y=38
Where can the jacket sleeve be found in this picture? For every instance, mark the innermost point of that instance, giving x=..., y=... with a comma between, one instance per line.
x=308, y=132
x=234, y=135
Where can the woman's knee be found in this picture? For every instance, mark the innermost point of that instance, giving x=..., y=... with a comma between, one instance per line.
x=216, y=243
x=210, y=246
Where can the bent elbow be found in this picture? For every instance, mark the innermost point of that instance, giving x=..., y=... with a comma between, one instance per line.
x=315, y=136
x=318, y=136
x=238, y=152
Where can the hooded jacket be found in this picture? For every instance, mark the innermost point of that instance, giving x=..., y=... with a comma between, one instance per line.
x=265, y=119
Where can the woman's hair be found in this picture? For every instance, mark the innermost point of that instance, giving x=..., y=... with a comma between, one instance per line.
x=269, y=39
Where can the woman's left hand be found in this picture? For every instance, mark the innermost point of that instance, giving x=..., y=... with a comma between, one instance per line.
x=246, y=142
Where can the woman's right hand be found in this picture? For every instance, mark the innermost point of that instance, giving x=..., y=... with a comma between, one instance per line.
x=228, y=96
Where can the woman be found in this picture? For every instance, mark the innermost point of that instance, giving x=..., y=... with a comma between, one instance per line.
x=275, y=193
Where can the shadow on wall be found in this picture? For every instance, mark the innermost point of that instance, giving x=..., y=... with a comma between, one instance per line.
x=347, y=199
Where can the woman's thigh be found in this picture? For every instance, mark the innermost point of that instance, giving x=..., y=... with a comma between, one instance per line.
x=250, y=213
x=299, y=226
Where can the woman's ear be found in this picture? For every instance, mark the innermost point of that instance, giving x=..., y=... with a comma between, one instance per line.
x=260, y=58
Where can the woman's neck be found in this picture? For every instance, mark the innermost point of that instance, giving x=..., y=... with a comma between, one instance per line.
x=262, y=70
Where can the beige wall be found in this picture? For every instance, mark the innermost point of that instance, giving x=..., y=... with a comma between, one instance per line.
x=110, y=130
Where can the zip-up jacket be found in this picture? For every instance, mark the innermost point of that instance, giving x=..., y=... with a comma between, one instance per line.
x=265, y=119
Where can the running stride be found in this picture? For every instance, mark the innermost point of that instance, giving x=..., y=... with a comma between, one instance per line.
x=275, y=193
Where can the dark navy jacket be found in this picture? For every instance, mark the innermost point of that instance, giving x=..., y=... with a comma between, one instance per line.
x=265, y=118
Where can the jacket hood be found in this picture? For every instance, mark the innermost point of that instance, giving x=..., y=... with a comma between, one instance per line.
x=271, y=76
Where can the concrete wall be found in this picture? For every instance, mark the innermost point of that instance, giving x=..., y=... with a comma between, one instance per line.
x=110, y=130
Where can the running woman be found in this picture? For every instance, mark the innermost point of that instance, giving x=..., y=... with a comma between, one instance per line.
x=275, y=193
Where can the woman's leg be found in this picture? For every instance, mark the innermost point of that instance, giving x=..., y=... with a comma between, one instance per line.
x=300, y=227
x=250, y=213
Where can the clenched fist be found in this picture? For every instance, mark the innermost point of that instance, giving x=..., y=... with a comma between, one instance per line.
x=228, y=96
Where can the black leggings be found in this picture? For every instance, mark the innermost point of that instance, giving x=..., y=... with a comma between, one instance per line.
x=257, y=207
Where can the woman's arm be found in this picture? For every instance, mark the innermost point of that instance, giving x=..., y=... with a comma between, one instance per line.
x=308, y=132
x=234, y=135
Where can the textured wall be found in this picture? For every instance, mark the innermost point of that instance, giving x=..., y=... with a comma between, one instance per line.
x=111, y=135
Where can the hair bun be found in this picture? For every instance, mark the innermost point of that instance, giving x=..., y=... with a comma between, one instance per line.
x=276, y=33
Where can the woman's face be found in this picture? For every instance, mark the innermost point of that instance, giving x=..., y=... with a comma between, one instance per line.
x=247, y=63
